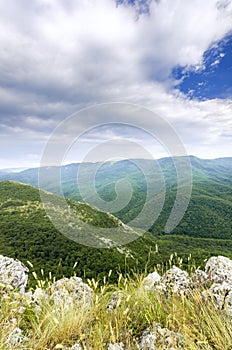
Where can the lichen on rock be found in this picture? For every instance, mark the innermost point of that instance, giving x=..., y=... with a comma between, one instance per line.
x=13, y=272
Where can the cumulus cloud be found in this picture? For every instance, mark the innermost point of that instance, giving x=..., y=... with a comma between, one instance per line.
x=60, y=56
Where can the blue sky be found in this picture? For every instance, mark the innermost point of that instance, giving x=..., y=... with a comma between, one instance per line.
x=172, y=57
x=214, y=79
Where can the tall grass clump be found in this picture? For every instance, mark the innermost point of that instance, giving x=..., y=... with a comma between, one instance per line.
x=119, y=312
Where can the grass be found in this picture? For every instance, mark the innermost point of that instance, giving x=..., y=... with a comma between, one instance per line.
x=94, y=326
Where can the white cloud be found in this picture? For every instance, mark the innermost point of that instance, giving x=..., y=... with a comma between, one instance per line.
x=59, y=56
x=215, y=63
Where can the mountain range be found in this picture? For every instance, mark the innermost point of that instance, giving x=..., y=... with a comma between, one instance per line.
x=210, y=201
x=27, y=233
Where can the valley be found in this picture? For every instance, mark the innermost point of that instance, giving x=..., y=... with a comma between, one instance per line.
x=27, y=233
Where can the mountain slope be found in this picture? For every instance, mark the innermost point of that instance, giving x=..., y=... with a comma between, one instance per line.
x=27, y=233
x=210, y=209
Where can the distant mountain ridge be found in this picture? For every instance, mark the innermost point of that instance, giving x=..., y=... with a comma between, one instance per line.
x=219, y=169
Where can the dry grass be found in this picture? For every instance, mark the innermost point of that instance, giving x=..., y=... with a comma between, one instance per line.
x=202, y=325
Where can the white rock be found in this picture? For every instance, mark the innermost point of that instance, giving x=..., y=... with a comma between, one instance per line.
x=117, y=346
x=148, y=340
x=161, y=336
x=13, y=272
x=219, y=291
x=151, y=280
x=72, y=290
x=199, y=278
x=76, y=347
x=228, y=303
x=16, y=337
x=175, y=280
x=219, y=269
x=37, y=298
x=116, y=300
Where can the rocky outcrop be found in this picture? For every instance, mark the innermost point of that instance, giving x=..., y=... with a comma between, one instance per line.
x=215, y=285
x=161, y=338
x=71, y=290
x=117, y=346
x=200, y=278
x=13, y=273
x=116, y=300
x=16, y=337
x=216, y=280
x=175, y=280
x=218, y=274
x=64, y=292
x=219, y=270
x=151, y=280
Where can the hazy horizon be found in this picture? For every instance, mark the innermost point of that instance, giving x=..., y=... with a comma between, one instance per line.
x=18, y=169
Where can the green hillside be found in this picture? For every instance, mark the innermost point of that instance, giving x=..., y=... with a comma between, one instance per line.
x=209, y=211
x=27, y=233
x=204, y=230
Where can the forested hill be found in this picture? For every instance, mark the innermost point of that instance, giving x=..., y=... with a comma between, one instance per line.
x=218, y=170
x=27, y=233
x=209, y=214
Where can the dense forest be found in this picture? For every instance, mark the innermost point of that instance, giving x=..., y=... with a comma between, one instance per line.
x=27, y=233
x=209, y=210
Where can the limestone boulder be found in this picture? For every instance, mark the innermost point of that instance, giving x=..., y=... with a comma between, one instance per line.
x=14, y=273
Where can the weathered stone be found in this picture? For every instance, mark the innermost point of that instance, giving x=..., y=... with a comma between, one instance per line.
x=148, y=340
x=75, y=347
x=219, y=269
x=228, y=303
x=115, y=301
x=72, y=290
x=199, y=278
x=16, y=337
x=151, y=280
x=36, y=298
x=14, y=273
x=159, y=338
x=117, y=346
x=175, y=280
x=219, y=291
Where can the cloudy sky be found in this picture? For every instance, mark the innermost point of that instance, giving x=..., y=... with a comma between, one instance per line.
x=173, y=57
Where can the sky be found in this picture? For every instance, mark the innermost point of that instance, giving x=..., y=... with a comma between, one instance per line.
x=171, y=57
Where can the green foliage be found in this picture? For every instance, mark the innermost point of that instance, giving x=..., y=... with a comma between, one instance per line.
x=27, y=233
x=209, y=214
